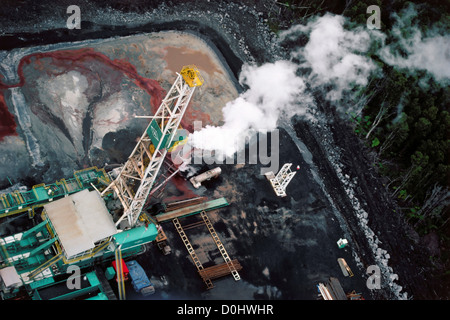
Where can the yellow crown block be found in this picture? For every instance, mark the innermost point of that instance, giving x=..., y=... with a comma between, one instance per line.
x=192, y=76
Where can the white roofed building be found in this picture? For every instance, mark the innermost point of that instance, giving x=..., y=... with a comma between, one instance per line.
x=80, y=222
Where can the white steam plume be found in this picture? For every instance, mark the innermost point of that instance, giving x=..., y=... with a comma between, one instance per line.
x=334, y=61
x=430, y=51
x=336, y=56
x=273, y=88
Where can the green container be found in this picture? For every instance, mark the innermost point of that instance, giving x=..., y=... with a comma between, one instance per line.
x=42, y=283
x=342, y=243
x=41, y=193
x=110, y=273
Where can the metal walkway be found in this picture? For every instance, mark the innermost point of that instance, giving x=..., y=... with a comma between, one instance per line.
x=192, y=209
x=21, y=201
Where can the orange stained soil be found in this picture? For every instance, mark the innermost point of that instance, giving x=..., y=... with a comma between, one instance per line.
x=178, y=57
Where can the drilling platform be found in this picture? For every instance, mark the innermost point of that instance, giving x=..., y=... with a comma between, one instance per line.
x=87, y=229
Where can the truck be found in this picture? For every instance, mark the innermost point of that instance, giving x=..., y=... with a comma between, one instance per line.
x=141, y=283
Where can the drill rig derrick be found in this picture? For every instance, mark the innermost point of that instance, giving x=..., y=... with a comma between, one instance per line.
x=137, y=176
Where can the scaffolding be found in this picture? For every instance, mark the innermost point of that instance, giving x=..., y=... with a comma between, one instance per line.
x=219, y=244
x=216, y=271
x=191, y=251
x=137, y=176
x=281, y=180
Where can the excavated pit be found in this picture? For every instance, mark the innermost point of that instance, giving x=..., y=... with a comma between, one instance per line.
x=285, y=245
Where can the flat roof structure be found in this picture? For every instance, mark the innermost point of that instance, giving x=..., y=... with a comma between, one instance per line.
x=80, y=221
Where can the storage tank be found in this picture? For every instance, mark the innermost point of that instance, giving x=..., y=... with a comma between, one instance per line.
x=197, y=180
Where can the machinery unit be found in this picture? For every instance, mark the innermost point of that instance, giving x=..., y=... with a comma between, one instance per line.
x=346, y=271
x=332, y=290
x=125, y=271
x=141, y=283
x=76, y=227
x=28, y=200
x=342, y=243
x=136, y=178
x=280, y=181
x=208, y=175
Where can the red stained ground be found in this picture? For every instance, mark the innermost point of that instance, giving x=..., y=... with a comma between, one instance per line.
x=183, y=188
x=193, y=114
x=7, y=123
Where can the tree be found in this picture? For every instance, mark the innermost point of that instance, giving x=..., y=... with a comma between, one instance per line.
x=380, y=115
x=422, y=127
x=418, y=162
x=398, y=133
x=437, y=199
